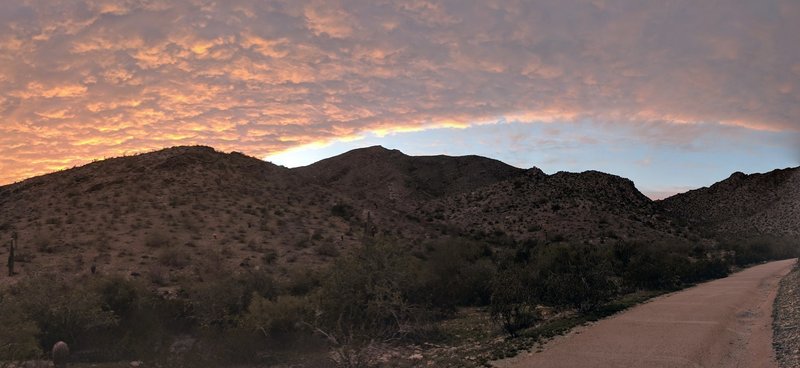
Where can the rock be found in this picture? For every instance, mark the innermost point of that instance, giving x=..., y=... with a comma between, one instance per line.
x=786, y=321
x=136, y=363
x=416, y=356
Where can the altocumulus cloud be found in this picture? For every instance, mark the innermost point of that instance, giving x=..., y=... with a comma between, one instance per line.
x=83, y=80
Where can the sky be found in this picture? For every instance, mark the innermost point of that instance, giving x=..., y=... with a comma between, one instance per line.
x=674, y=95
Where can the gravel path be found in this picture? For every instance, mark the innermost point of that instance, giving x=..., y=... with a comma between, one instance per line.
x=722, y=323
x=787, y=321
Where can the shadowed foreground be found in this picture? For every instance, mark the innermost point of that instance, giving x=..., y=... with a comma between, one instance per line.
x=722, y=323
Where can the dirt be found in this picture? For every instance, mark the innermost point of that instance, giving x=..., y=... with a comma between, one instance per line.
x=722, y=323
x=787, y=321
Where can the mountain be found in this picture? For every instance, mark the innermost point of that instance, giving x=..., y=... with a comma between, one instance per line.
x=589, y=207
x=192, y=212
x=179, y=211
x=475, y=196
x=744, y=205
x=382, y=175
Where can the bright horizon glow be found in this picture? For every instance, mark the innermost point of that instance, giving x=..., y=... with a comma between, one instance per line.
x=658, y=171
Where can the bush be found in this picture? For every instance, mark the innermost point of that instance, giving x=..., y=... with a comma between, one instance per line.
x=456, y=273
x=158, y=239
x=654, y=270
x=275, y=318
x=345, y=211
x=513, y=300
x=364, y=296
x=174, y=257
x=761, y=249
x=574, y=276
x=327, y=250
x=218, y=304
x=706, y=269
x=18, y=335
x=118, y=296
x=62, y=311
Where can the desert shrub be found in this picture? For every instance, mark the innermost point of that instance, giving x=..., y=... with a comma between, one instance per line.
x=654, y=268
x=18, y=335
x=562, y=276
x=218, y=304
x=514, y=299
x=574, y=276
x=760, y=249
x=365, y=299
x=302, y=282
x=145, y=320
x=706, y=268
x=43, y=242
x=344, y=211
x=62, y=311
x=282, y=316
x=455, y=273
x=118, y=295
x=106, y=318
x=365, y=295
x=174, y=257
x=157, y=239
x=269, y=256
x=327, y=249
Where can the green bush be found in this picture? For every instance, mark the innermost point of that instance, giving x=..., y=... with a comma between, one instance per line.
x=18, y=335
x=365, y=295
x=118, y=295
x=574, y=276
x=174, y=257
x=514, y=299
x=455, y=273
x=274, y=318
x=760, y=249
x=64, y=311
x=344, y=211
x=218, y=304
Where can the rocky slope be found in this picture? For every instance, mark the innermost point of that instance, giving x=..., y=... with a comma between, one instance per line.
x=389, y=177
x=186, y=211
x=590, y=207
x=744, y=205
x=180, y=211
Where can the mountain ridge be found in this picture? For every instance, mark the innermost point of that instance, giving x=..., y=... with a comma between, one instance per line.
x=185, y=211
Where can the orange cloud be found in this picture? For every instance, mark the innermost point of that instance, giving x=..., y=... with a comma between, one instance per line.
x=84, y=80
x=38, y=90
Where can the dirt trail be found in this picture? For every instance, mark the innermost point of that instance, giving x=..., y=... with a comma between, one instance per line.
x=722, y=323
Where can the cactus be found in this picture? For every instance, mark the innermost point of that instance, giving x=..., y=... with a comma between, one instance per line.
x=12, y=247
x=60, y=354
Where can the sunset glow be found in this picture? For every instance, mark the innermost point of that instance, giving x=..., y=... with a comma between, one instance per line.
x=676, y=85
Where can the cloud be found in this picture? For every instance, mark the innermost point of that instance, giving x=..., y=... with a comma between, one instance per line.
x=83, y=80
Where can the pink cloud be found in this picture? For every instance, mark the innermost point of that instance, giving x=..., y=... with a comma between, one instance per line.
x=82, y=81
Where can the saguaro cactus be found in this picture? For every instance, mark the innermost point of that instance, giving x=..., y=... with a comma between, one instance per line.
x=60, y=354
x=12, y=247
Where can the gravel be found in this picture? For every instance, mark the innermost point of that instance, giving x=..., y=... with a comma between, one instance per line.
x=787, y=321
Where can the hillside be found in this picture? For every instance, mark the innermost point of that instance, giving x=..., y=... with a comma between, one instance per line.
x=187, y=212
x=589, y=207
x=389, y=177
x=250, y=261
x=744, y=205
x=179, y=212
